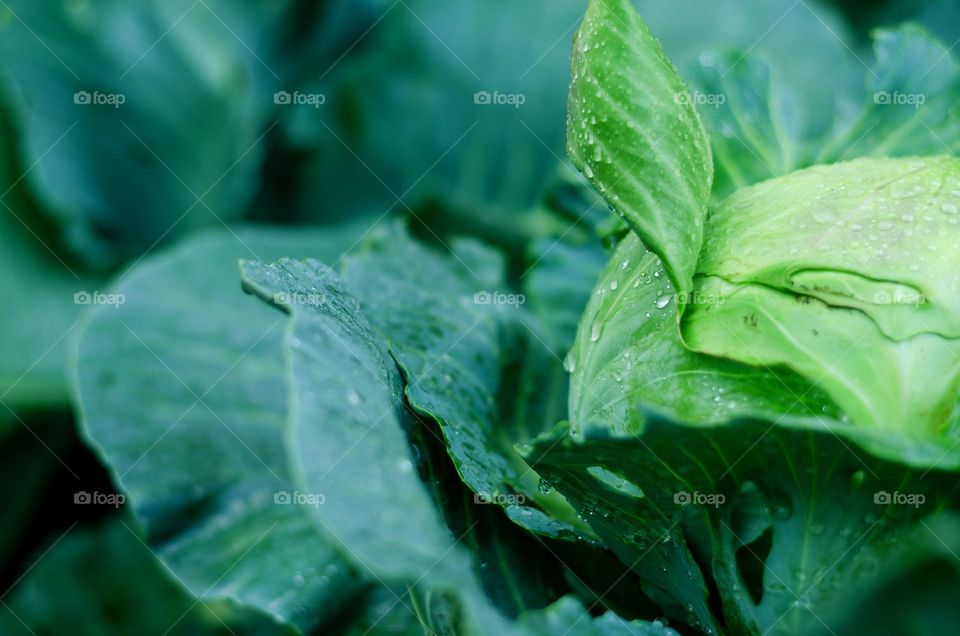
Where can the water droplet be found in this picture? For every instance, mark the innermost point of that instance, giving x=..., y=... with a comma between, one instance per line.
x=662, y=302
x=613, y=285
x=595, y=332
x=857, y=478
x=544, y=486
x=615, y=482
x=353, y=398
x=824, y=216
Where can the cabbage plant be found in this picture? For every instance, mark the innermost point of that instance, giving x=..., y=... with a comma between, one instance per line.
x=731, y=407
x=772, y=371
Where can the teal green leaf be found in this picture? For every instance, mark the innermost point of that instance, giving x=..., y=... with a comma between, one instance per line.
x=351, y=447
x=764, y=107
x=540, y=334
x=911, y=106
x=568, y=616
x=810, y=93
x=165, y=120
x=557, y=286
x=518, y=571
x=187, y=404
x=743, y=114
x=688, y=505
x=39, y=315
x=39, y=288
x=74, y=589
x=941, y=17
x=448, y=339
x=350, y=421
x=487, y=164
x=915, y=594
x=634, y=133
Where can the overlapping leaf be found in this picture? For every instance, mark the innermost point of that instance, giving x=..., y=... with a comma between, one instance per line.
x=174, y=108
x=636, y=136
x=447, y=340
x=349, y=420
x=786, y=526
x=190, y=415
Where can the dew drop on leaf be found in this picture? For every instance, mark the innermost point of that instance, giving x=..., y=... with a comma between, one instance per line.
x=595, y=331
x=857, y=478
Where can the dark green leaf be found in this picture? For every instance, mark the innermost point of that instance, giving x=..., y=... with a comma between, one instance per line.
x=183, y=394
x=670, y=502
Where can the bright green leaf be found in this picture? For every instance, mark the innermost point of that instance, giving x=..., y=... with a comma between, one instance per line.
x=634, y=133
